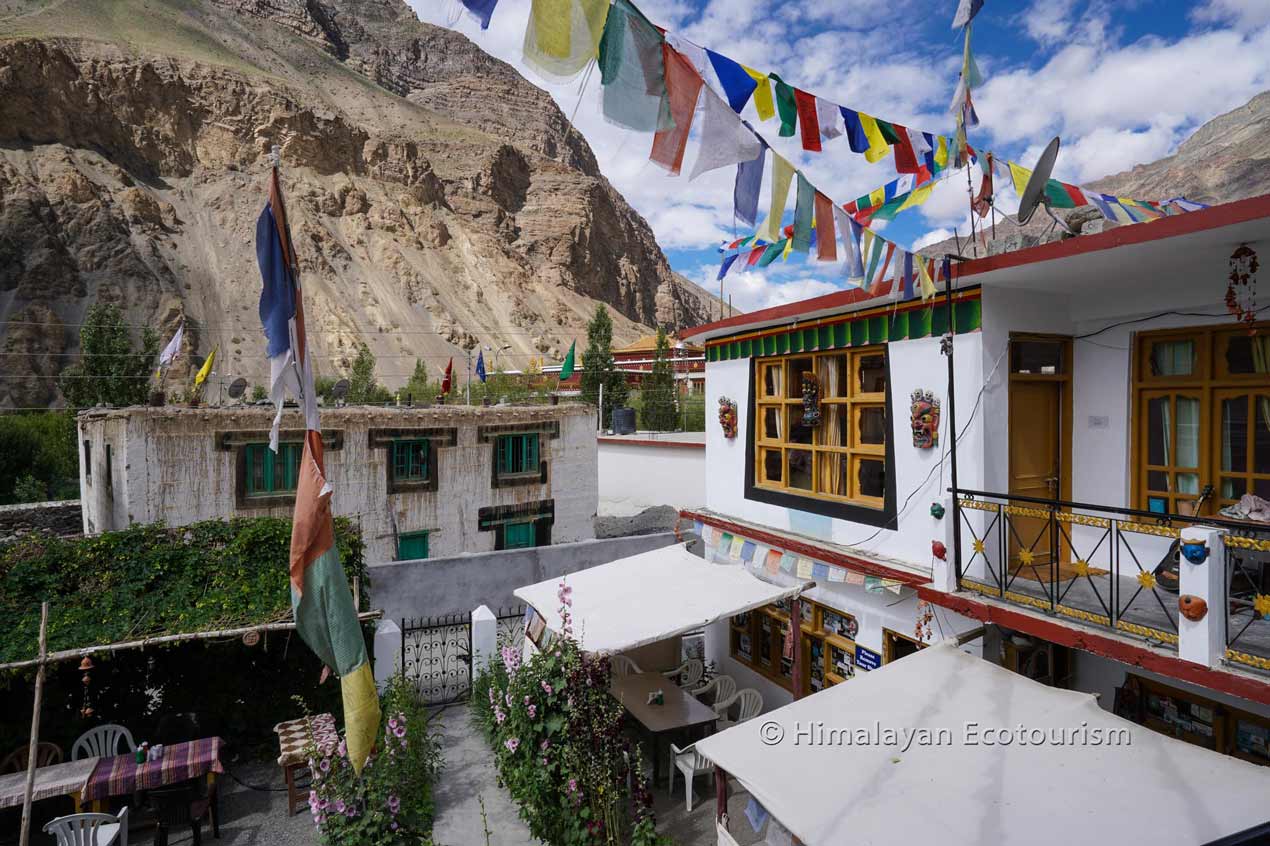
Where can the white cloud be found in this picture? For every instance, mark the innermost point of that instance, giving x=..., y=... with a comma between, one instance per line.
x=1048, y=21
x=932, y=237
x=1244, y=12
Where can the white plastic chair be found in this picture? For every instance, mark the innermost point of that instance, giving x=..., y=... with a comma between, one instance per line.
x=623, y=666
x=687, y=674
x=722, y=687
x=692, y=764
x=749, y=704
x=90, y=829
x=726, y=839
x=103, y=742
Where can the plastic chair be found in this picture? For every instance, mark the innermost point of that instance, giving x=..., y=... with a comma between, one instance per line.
x=178, y=805
x=623, y=666
x=687, y=674
x=749, y=704
x=46, y=754
x=90, y=829
x=103, y=742
x=692, y=764
x=720, y=688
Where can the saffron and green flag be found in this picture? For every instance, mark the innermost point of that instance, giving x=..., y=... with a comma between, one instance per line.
x=320, y=597
x=566, y=369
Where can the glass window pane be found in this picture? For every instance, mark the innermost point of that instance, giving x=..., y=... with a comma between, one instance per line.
x=872, y=424
x=800, y=469
x=1232, y=488
x=833, y=430
x=772, y=379
x=1187, y=432
x=1261, y=435
x=871, y=477
x=1036, y=356
x=1158, y=431
x=1157, y=480
x=797, y=367
x=772, y=465
x=1234, y=434
x=1239, y=354
x=799, y=433
x=1188, y=483
x=772, y=422
x=833, y=474
x=833, y=375
x=1261, y=487
x=1172, y=358
x=872, y=374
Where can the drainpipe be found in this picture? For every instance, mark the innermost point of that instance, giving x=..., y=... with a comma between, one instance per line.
x=952, y=417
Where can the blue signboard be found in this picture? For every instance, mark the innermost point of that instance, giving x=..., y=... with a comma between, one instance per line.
x=867, y=659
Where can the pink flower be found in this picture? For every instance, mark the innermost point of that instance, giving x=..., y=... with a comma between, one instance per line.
x=394, y=804
x=546, y=744
x=533, y=711
x=546, y=688
x=573, y=785
x=499, y=716
x=512, y=743
x=400, y=731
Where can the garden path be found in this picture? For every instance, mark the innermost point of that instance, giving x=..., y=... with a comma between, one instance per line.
x=468, y=778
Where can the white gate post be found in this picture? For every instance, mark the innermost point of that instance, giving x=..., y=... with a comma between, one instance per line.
x=387, y=648
x=1203, y=641
x=484, y=639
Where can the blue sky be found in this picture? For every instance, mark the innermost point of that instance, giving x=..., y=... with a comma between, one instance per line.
x=1121, y=81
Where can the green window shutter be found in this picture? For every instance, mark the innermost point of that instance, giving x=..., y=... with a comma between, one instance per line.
x=841, y=334
x=531, y=451
x=503, y=442
x=518, y=535
x=412, y=545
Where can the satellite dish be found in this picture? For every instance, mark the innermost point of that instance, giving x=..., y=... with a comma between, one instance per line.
x=340, y=389
x=237, y=388
x=1034, y=192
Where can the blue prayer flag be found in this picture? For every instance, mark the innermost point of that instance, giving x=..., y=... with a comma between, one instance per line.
x=749, y=180
x=855, y=130
x=482, y=10
x=737, y=84
x=480, y=366
x=728, y=261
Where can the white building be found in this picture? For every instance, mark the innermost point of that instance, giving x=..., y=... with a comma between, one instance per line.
x=421, y=482
x=1100, y=387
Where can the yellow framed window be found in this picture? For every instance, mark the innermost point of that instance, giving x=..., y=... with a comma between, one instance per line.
x=841, y=457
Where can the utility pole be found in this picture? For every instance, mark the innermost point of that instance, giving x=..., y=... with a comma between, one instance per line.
x=468, y=355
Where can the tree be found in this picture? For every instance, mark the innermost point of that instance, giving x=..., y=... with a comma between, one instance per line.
x=110, y=370
x=362, y=387
x=598, y=367
x=417, y=388
x=661, y=412
x=39, y=458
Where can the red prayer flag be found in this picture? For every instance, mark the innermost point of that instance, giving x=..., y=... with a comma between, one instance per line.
x=755, y=255
x=1077, y=195
x=683, y=87
x=905, y=155
x=878, y=285
x=808, y=121
x=449, y=371
x=826, y=240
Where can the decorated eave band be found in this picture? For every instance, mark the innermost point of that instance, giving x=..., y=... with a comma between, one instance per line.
x=875, y=326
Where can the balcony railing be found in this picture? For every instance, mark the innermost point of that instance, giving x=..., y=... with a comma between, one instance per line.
x=1248, y=599
x=1115, y=568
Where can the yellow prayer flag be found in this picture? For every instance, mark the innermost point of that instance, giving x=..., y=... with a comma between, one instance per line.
x=563, y=35
x=917, y=197
x=1020, y=175
x=206, y=369
x=923, y=275
x=763, y=102
x=789, y=248
x=941, y=152
x=877, y=197
x=878, y=148
x=782, y=175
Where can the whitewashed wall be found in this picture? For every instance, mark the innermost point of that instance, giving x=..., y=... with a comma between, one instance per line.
x=635, y=476
x=913, y=364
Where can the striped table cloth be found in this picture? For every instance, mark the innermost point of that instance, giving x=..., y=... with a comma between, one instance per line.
x=122, y=775
x=64, y=779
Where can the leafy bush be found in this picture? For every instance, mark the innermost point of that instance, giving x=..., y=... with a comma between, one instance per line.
x=557, y=738
x=38, y=457
x=392, y=801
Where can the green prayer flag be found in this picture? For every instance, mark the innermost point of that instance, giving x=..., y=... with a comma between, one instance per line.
x=786, y=105
x=888, y=132
x=566, y=369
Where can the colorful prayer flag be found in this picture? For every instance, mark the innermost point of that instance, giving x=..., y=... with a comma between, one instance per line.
x=878, y=148
x=782, y=175
x=480, y=365
x=562, y=36
x=856, y=136
x=566, y=369
x=683, y=89
x=829, y=118
x=826, y=240
x=966, y=11
x=725, y=138
x=737, y=83
x=762, y=94
x=173, y=348
x=786, y=106
x=808, y=120
x=804, y=568
x=749, y=181
x=803, y=213
x=773, y=561
x=206, y=369
x=447, y=379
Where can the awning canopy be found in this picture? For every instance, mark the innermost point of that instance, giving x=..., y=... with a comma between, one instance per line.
x=649, y=597
x=861, y=789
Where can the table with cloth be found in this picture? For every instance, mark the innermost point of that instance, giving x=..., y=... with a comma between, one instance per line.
x=65, y=779
x=123, y=776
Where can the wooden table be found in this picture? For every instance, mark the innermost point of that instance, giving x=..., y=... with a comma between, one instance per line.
x=678, y=717
x=123, y=776
x=65, y=779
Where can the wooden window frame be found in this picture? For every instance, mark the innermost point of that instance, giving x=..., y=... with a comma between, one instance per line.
x=410, y=536
x=395, y=464
x=286, y=449
x=889, y=639
x=88, y=461
x=812, y=632
x=788, y=405
x=1210, y=382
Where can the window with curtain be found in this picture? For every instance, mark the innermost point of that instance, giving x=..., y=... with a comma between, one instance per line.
x=269, y=473
x=1202, y=398
x=841, y=456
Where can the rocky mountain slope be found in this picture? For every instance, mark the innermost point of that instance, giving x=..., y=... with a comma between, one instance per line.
x=438, y=200
x=1226, y=159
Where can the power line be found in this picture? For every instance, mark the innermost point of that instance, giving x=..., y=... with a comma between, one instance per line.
x=494, y=331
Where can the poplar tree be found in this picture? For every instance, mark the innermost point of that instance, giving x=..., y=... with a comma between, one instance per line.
x=598, y=367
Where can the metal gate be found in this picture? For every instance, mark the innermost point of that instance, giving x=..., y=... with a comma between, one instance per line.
x=436, y=656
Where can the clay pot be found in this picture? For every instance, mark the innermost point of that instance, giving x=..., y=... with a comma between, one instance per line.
x=1191, y=607
x=940, y=551
x=157, y=398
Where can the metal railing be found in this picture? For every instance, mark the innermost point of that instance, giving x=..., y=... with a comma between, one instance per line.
x=1115, y=568
x=1247, y=598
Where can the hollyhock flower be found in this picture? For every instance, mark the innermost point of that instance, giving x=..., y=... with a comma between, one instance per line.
x=546, y=688
x=393, y=825
x=325, y=766
x=394, y=804
x=400, y=731
x=342, y=749
x=546, y=744
x=508, y=699
x=339, y=806
x=533, y=711
x=499, y=716
x=512, y=743
x=573, y=785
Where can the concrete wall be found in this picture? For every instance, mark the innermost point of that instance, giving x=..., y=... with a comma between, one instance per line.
x=637, y=474
x=167, y=466
x=464, y=582
x=63, y=518
x=912, y=364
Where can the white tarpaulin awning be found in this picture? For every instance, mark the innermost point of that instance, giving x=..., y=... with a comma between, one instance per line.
x=859, y=788
x=649, y=597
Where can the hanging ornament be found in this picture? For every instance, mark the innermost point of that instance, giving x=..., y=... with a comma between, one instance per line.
x=1241, y=292
x=811, y=400
x=86, y=667
x=727, y=417
x=251, y=638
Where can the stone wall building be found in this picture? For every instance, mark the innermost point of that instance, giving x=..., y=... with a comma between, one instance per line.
x=422, y=482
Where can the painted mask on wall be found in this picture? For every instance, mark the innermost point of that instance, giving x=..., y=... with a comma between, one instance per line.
x=727, y=417
x=925, y=418
x=1191, y=607
x=1195, y=552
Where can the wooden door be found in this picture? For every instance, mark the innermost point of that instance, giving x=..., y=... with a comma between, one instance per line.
x=1036, y=458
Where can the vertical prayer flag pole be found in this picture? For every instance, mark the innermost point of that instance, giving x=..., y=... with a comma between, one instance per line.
x=24, y=837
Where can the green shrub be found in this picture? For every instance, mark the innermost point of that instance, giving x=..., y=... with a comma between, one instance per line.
x=38, y=452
